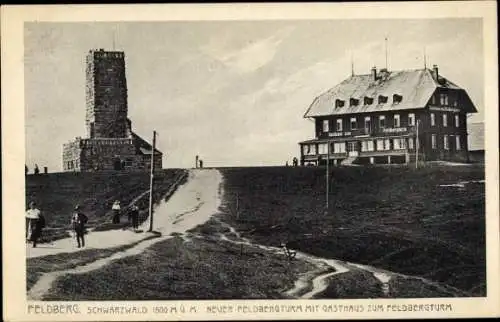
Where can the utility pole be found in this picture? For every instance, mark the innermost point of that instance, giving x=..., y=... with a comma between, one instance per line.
x=417, y=143
x=327, y=175
x=151, y=183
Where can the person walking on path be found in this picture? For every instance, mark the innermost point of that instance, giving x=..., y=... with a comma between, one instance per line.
x=116, y=212
x=78, y=221
x=36, y=222
x=134, y=215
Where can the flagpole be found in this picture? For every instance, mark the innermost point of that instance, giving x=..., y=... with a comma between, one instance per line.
x=151, y=183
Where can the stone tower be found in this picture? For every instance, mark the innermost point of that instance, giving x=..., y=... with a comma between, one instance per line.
x=110, y=143
x=106, y=95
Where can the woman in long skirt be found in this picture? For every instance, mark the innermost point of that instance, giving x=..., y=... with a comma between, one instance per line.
x=116, y=212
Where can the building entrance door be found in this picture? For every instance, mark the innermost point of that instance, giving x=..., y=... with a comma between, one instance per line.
x=353, y=149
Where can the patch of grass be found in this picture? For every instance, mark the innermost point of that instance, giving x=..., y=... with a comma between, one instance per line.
x=354, y=284
x=397, y=218
x=413, y=288
x=36, y=266
x=172, y=269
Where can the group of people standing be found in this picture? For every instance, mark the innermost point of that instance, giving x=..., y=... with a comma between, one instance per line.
x=36, y=222
x=133, y=214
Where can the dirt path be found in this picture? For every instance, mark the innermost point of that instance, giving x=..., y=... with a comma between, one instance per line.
x=313, y=283
x=196, y=200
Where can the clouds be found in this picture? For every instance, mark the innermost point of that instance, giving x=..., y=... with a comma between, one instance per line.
x=253, y=55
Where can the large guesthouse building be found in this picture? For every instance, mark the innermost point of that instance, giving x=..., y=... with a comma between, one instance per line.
x=389, y=117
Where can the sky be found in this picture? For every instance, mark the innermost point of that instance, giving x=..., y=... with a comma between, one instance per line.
x=232, y=92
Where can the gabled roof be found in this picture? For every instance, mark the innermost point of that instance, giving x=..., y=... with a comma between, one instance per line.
x=414, y=86
x=142, y=146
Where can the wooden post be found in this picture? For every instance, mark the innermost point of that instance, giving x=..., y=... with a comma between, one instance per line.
x=237, y=206
x=151, y=183
x=416, y=146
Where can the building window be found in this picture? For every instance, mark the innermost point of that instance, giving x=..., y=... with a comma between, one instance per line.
x=387, y=144
x=128, y=162
x=445, y=119
x=339, y=125
x=368, y=100
x=457, y=120
x=433, y=119
x=397, y=144
x=433, y=100
x=354, y=124
x=353, y=102
x=339, y=103
x=326, y=125
x=443, y=99
x=381, y=121
x=368, y=125
x=396, y=99
x=382, y=99
x=397, y=120
x=339, y=147
x=410, y=143
x=380, y=145
x=446, y=142
x=322, y=148
x=367, y=146
x=433, y=141
x=370, y=146
x=411, y=119
x=457, y=142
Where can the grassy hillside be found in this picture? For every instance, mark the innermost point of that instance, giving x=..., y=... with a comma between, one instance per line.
x=56, y=195
x=396, y=218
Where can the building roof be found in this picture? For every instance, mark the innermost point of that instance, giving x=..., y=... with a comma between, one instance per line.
x=142, y=146
x=476, y=136
x=414, y=86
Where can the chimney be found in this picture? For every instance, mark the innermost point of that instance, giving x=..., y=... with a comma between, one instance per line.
x=436, y=71
x=374, y=73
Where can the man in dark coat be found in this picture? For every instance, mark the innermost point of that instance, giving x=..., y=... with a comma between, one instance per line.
x=134, y=216
x=78, y=221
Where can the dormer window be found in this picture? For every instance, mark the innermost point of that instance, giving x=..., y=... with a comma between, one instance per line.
x=396, y=99
x=339, y=103
x=368, y=100
x=382, y=99
x=353, y=102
